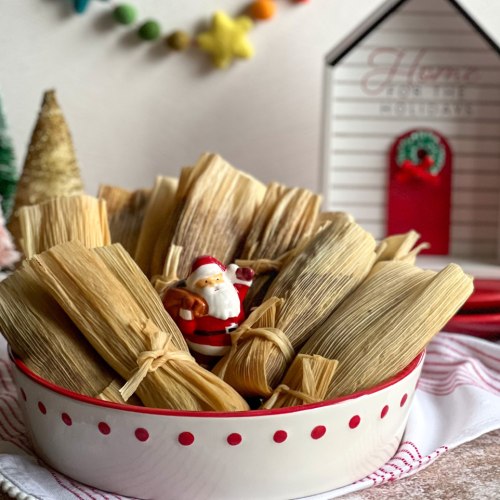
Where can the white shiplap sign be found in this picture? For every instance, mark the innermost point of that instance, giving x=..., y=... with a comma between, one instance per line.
x=425, y=65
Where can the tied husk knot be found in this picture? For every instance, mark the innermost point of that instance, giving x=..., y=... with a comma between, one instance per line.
x=283, y=389
x=162, y=351
x=170, y=271
x=306, y=381
x=259, y=329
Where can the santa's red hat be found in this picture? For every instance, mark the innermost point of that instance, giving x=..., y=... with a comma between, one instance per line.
x=203, y=267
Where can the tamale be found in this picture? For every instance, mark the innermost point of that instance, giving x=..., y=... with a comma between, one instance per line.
x=63, y=219
x=313, y=284
x=325, y=218
x=213, y=214
x=306, y=381
x=118, y=325
x=286, y=217
x=158, y=210
x=126, y=210
x=50, y=345
x=119, y=262
x=387, y=322
x=165, y=235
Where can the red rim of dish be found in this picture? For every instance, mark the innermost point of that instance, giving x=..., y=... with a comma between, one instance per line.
x=214, y=414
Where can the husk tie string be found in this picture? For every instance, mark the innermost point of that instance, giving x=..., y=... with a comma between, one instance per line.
x=271, y=334
x=161, y=352
x=284, y=389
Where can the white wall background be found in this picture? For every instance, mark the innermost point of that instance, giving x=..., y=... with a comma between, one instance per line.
x=136, y=111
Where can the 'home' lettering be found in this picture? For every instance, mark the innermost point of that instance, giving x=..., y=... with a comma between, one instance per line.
x=387, y=63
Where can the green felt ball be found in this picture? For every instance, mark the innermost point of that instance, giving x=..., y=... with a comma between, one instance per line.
x=150, y=30
x=125, y=14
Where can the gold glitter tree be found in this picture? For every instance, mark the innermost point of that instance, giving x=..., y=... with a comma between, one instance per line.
x=51, y=168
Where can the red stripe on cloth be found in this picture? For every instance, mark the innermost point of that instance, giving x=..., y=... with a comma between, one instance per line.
x=477, y=371
x=472, y=376
x=8, y=424
x=62, y=485
x=7, y=436
x=437, y=392
x=464, y=368
x=4, y=384
x=93, y=490
x=472, y=348
x=80, y=488
x=391, y=474
x=448, y=343
x=390, y=464
x=463, y=362
x=8, y=366
x=466, y=372
x=414, y=446
x=13, y=411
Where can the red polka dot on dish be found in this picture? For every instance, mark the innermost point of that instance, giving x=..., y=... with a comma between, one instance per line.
x=318, y=432
x=280, y=436
x=104, y=428
x=42, y=408
x=66, y=419
x=141, y=434
x=234, y=439
x=403, y=400
x=384, y=411
x=186, y=438
x=354, y=422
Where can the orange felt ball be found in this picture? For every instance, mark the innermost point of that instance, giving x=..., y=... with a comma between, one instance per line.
x=263, y=9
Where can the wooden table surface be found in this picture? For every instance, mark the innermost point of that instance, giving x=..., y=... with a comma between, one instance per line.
x=471, y=471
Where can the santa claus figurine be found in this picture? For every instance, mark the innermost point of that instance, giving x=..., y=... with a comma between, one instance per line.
x=208, y=305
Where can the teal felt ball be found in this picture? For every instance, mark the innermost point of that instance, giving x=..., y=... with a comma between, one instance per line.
x=150, y=30
x=125, y=13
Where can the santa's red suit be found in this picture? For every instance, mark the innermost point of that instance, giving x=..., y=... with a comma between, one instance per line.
x=207, y=336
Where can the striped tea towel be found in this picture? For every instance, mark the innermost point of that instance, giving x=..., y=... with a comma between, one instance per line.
x=457, y=400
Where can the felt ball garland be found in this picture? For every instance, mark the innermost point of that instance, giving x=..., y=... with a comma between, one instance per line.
x=125, y=14
x=150, y=30
x=225, y=40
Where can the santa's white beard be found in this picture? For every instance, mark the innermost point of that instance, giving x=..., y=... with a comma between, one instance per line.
x=222, y=299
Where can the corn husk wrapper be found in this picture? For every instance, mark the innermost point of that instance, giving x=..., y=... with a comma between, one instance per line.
x=158, y=211
x=330, y=266
x=125, y=270
x=214, y=209
x=164, y=239
x=68, y=218
x=306, y=381
x=169, y=277
x=387, y=322
x=140, y=349
x=325, y=218
x=126, y=211
x=50, y=345
x=401, y=247
x=51, y=168
x=286, y=217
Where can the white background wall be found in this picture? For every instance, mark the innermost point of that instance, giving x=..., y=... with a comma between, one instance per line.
x=136, y=111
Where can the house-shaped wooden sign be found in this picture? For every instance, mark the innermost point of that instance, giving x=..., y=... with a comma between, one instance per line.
x=412, y=127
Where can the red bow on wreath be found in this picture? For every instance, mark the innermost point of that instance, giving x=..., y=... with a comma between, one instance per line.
x=420, y=171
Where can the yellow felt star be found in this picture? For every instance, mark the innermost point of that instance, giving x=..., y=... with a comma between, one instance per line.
x=227, y=39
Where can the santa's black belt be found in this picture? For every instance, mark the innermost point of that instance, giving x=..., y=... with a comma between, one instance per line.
x=216, y=332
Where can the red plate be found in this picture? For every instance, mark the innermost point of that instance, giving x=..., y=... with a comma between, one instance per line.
x=486, y=326
x=486, y=296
